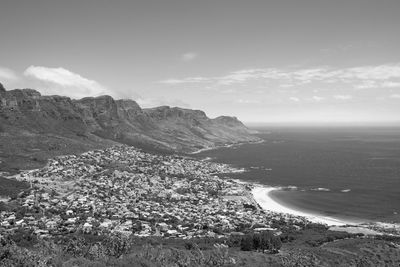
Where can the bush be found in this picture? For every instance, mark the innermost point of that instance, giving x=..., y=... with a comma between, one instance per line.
x=287, y=237
x=117, y=245
x=190, y=245
x=234, y=241
x=317, y=227
x=42, y=255
x=300, y=258
x=76, y=251
x=76, y=246
x=263, y=241
x=246, y=243
x=218, y=256
x=24, y=237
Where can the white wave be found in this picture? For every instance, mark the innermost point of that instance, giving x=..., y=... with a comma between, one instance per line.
x=321, y=189
x=236, y=170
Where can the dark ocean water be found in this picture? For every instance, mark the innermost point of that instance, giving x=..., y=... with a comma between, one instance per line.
x=337, y=172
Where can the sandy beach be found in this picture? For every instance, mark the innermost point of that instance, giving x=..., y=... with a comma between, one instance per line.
x=262, y=197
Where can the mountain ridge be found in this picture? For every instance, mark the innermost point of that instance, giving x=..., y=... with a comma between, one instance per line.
x=30, y=122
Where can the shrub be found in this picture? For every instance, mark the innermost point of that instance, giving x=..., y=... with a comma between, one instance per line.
x=263, y=241
x=24, y=237
x=287, y=237
x=190, y=245
x=117, y=245
x=76, y=246
x=300, y=258
x=246, y=243
x=317, y=227
x=234, y=241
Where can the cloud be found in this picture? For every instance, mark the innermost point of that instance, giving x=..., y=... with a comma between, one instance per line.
x=390, y=84
x=7, y=74
x=395, y=96
x=381, y=72
x=190, y=56
x=236, y=77
x=366, y=84
x=343, y=97
x=317, y=98
x=286, y=85
x=363, y=77
x=246, y=101
x=186, y=80
x=64, y=82
x=295, y=99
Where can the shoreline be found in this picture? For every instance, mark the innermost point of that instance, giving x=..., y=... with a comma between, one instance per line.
x=224, y=146
x=261, y=195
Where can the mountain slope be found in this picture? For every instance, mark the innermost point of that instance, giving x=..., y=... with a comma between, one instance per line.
x=34, y=127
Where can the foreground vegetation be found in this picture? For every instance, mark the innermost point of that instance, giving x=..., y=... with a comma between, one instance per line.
x=312, y=246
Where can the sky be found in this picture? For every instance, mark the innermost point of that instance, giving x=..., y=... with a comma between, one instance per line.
x=298, y=61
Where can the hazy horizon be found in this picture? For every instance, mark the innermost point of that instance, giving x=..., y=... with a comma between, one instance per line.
x=319, y=124
x=277, y=62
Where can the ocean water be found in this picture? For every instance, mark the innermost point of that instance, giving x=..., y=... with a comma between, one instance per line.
x=337, y=172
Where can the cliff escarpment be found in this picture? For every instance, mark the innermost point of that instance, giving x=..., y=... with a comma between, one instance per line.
x=34, y=127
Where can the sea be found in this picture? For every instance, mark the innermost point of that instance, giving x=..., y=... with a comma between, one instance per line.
x=348, y=173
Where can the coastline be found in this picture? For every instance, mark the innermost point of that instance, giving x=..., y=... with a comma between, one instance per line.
x=225, y=146
x=261, y=195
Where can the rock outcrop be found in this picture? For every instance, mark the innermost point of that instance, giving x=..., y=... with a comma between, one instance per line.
x=105, y=120
x=2, y=89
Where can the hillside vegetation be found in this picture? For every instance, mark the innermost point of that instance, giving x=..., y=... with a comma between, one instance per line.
x=34, y=128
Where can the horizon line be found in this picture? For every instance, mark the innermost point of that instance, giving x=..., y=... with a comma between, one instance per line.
x=324, y=123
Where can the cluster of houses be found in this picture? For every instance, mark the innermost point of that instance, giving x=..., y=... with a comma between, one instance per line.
x=123, y=189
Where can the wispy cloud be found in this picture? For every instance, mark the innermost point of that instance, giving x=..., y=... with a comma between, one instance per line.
x=246, y=101
x=7, y=74
x=343, y=97
x=186, y=80
x=64, y=82
x=366, y=84
x=390, y=84
x=189, y=56
x=363, y=77
x=395, y=96
x=317, y=98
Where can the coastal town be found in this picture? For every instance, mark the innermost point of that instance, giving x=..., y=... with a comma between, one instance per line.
x=125, y=190
x=124, y=207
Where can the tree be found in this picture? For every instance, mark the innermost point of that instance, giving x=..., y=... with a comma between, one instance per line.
x=263, y=241
x=246, y=243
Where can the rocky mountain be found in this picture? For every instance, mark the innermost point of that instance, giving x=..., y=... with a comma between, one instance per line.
x=33, y=127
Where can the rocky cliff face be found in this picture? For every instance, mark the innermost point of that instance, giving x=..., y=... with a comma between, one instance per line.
x=105, y=120
x=2, y=89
